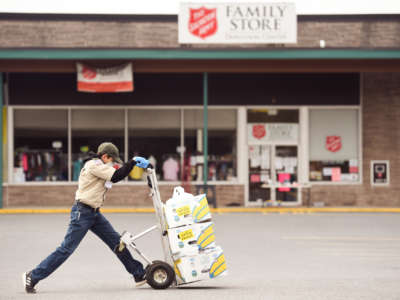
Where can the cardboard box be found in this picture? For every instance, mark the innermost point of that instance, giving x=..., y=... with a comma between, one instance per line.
x=206, y=265
x=186, y=209
x=191, y=239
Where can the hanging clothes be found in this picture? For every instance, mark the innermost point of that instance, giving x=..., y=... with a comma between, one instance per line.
x=170, y=169
x=25, y=162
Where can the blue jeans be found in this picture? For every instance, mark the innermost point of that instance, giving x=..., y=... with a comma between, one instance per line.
x=82, y=220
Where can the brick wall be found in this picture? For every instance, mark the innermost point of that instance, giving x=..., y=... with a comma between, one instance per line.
x=63, y=33
x=119, y=195
x=20, y=195
x=381, y=136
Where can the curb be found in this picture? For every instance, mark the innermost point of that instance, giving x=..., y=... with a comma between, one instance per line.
x=265, y=210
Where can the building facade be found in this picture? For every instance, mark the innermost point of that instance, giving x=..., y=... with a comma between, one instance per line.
x=288, y=124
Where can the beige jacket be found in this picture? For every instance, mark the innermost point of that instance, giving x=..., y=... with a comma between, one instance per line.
x=91, y=185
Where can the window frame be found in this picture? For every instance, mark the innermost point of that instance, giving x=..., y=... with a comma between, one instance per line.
x=11, y=148
x=241, y=119
x=358, y=108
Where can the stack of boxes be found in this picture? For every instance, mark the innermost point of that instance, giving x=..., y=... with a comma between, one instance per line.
x=191, y=238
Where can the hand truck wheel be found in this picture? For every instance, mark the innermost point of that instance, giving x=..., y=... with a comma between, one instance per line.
x=159, y=275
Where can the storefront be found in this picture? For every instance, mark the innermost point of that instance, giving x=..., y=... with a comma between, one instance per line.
x=285, y=127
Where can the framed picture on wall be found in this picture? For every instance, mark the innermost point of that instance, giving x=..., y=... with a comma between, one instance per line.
x=380, y=173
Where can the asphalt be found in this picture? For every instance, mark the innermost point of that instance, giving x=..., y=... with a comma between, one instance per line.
x=269, y=256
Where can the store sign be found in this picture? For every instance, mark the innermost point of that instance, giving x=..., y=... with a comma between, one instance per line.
x=258, y=131
x=333, y=143
x=232, y=23
x=273, y=133
x=380, y=174
x=203, y=22
x=105, y=80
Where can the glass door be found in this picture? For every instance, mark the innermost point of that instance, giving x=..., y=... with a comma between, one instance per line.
x=260, y=174
x=273, y=157
x=273, y=175
x=285, y=175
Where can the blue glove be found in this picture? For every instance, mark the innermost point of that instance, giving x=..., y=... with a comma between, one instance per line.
x=141, y=162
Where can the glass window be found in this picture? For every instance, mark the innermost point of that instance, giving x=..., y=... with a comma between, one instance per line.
x=221, y=144
x=90, y=128
x=334, y=145
x=155, y=134
x=41, y=141
x=40, y=145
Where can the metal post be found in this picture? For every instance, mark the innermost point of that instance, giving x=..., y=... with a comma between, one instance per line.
x=182, y=145
x=2, y=141
x=126, y=138
x=205, y=126
x=70, y=166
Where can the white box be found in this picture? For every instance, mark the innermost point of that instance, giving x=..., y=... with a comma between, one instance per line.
x=185, y=209
x=191, y=239
x=206, y=265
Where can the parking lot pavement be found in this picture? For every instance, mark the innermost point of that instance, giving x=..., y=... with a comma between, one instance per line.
x=269, y=256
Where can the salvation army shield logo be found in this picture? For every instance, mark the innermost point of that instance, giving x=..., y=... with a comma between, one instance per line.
x=259, y=131
x=333, y=143
x=88, y=73
x=203, y=22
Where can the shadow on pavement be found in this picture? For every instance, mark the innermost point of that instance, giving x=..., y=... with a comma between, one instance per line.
x=202, y=287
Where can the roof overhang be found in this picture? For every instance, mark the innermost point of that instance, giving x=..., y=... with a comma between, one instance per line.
x=205, y=60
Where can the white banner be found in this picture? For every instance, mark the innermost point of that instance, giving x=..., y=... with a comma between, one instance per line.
x=272, y=133
x=228, y=23
x=105, y=80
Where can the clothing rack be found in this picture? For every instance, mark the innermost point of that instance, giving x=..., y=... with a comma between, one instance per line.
x=42, y=164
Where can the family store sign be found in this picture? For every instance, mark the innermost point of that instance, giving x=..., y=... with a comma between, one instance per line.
x=228, y=23
x=272, y=133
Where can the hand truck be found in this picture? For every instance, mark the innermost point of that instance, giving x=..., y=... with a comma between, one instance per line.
x=159, y=274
